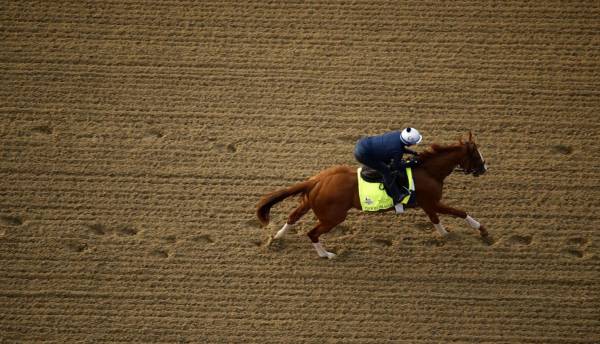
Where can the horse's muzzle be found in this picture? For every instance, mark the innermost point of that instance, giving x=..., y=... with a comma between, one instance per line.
x=480, y=171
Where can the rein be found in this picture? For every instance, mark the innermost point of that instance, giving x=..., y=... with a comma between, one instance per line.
x=472, y=168
x=465, y=171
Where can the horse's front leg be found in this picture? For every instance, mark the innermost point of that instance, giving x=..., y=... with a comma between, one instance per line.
x=430, y=211
x=444, y=209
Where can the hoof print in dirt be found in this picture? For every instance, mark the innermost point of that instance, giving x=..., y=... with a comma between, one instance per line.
x=42, y=130
x=169, y=239
x=97, y=229
x=127, y=231
x=203, y=239
x=256, y=242
x=275, y=245
x=451, y=236
x=153, y=135
x=160, y=253
x=349, y=138
x=408, y=240
x=562, y=149
x=573, y=252
x=424, y=226
x=342, y=253
x=487, y=240
x=77, y=247
x=577, y=241
x=253, y=223
x=381, y=242
x=519, y=240
x=225, y=148
x=341, y=230
x=8, y=220
x=231, y=148
x=576, y=247
x=434, y=242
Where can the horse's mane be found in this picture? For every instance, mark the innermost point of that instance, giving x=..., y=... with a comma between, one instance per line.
x=435, y=149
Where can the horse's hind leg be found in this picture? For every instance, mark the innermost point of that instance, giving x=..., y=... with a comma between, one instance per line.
x=302, y=209
x=314, y=234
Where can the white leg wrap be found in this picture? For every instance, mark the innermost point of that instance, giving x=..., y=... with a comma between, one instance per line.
x=472, y=222
x=440, y=228
x=321, y=251
x=282, y=231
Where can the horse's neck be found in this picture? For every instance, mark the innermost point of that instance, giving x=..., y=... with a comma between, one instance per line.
x=443, y=164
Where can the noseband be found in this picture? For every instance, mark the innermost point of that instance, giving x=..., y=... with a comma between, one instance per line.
x=465, y=171
x=470, y=170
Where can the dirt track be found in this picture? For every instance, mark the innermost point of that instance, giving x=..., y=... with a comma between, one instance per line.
x=136, y=140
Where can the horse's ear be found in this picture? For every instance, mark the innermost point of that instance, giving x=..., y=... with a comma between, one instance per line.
x=470, y=136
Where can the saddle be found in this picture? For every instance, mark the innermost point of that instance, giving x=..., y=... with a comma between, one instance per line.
x=402, y=179
x=372, y=176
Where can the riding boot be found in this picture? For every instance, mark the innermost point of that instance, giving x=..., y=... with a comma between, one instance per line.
x=394, y=192
x=399, y=207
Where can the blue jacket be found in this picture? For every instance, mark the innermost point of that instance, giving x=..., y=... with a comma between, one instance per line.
x=383, y=147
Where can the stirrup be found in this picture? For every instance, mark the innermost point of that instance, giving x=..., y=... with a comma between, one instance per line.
x=399, y=208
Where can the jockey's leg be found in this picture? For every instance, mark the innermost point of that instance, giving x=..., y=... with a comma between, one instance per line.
x=302, y=209
x=391, y=187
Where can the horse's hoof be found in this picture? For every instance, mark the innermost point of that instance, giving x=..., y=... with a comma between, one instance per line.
x=278, y=235
x=328, y=255
x=487, y=239
x=451, y=236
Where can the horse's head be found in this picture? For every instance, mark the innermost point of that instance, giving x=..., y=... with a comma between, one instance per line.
x=472, y=162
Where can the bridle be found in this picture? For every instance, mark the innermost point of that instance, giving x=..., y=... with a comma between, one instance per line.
x=471, y=169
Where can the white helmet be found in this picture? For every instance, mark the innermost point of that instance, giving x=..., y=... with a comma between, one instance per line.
x=411, y=136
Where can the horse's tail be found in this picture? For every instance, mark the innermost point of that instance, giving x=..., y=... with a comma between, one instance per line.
x=267, y=201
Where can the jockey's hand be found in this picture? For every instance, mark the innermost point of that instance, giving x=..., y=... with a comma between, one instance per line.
x=410, y=151
x=413, y=162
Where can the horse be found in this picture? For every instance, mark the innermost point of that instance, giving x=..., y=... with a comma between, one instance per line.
x=334, y=191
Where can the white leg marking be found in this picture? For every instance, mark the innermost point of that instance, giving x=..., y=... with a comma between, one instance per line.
x=472, y=222
x=440, y=228
x=282, y=231
x=322, y=252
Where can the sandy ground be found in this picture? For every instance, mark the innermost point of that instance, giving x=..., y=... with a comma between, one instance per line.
x=136, y=140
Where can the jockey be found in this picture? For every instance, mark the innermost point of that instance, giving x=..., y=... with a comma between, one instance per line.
x=384, y=154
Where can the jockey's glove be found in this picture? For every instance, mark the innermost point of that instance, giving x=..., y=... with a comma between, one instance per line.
x=410, y=151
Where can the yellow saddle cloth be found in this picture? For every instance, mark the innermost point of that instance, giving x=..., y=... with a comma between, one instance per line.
x=373, y=196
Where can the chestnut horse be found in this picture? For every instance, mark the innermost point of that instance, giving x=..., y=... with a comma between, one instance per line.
x=334, y=191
